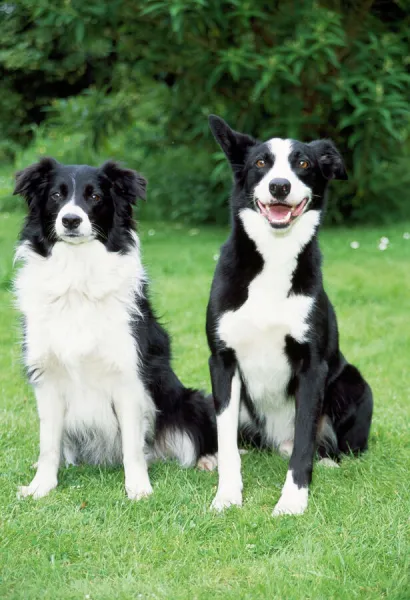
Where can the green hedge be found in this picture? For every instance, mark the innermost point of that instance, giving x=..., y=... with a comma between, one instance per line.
x=85, y=81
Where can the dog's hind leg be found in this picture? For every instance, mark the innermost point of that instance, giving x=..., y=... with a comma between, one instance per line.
x=349, y=406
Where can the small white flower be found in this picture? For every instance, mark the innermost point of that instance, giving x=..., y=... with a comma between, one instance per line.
x=406, y=235
x=87, y=596
x=250, y=546
x=354, y=245
x=384, y=240
x=216, y=256
x=151, y=232
x=382, y=246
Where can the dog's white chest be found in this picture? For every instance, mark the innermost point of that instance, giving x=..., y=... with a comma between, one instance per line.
x=257, y=330
x=77, y=307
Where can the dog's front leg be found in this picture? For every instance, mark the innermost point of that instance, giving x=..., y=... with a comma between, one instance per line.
x=226, y=389
x=309, y=400
x=131, y=405
x=51, y=407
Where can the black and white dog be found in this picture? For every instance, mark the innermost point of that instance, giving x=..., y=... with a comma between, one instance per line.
x=276, y=366
x=95, y=354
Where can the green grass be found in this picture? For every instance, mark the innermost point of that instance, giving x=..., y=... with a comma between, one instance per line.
x=86, y=540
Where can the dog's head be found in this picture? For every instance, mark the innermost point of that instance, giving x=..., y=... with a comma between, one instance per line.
x=281, y=179
x=77, y=203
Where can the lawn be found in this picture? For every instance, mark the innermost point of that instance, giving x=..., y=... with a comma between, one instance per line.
x=86, y=540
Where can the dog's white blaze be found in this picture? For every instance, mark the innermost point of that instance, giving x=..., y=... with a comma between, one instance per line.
x=257, y=329
x=229, y=461
x=281, y=150
x=293, y=500
x=77, y=305
x=84, y=229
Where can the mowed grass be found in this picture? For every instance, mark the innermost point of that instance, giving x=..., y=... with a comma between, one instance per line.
x=86, y=540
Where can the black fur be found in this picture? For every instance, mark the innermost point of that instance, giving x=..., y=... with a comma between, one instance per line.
x=321, y=382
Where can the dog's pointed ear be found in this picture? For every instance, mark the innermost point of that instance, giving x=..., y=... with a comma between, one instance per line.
x=330, y=160
x=234, y=144
x=33, y=179
x=127, y=183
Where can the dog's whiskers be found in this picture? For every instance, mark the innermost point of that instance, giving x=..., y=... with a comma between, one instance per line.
x=97, y=230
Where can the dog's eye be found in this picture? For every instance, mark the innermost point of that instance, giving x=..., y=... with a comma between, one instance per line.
x=260, y=163
x=95, y=197
x=303, y=164
x=56, y=196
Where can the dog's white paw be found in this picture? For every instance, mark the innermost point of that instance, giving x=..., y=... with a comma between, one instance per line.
x=207, y=462
x=38, y=488
x=293, y=500
x=287, y=506
x=139, y=492
x=225, y=499
x=329, y=463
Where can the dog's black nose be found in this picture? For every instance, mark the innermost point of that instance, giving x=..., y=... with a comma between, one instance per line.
x=279, y=188
x=71, y=221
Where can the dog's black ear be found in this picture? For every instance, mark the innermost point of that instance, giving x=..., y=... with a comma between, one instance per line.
x=33, y=179
x=128, y=184
x=234, y=144
x=330, y=160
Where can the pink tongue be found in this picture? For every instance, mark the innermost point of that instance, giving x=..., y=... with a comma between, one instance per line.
x=278, y=212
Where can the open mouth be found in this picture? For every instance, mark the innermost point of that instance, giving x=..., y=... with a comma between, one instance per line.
x=281, y=214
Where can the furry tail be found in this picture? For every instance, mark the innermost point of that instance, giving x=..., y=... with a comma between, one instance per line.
x=188, y=432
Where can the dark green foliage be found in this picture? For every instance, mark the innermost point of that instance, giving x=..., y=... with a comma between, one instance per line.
x=136, y=80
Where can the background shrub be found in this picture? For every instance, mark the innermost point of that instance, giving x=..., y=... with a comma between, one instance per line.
x=137, y=80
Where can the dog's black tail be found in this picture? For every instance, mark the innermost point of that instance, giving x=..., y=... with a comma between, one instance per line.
x=187, y=430
x=185, y=423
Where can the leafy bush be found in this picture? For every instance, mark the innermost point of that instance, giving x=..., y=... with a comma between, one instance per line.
x=140, y=79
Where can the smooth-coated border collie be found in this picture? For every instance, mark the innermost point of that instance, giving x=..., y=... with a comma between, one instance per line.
x=276, y=367
x=97, y=358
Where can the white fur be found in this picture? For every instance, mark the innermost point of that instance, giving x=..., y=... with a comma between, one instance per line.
x=176, y=444
x=77, y=305
x=293, y=500
x=257, y=330
x=229, y=491
x=51, y=413
x=328, y=462
x=281, y=150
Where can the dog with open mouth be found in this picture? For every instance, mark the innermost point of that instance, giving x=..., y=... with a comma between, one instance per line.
x=278, y=375
x=98, y=359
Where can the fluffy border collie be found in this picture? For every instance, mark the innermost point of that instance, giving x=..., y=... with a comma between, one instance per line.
x=94, y=352
x=275, y=364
